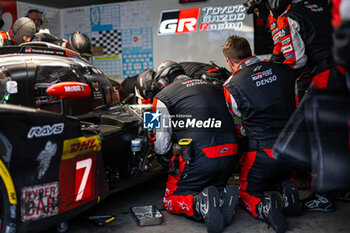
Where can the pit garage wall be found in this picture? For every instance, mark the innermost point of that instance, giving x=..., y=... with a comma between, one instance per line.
x=218, y=19
x=121, y=35
x=191, y=32
x=50, y=16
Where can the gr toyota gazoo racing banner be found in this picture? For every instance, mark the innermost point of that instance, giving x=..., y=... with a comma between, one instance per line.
x=178, y=21
x=205, y=19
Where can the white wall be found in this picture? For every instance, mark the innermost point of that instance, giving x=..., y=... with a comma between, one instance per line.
x=202, y=46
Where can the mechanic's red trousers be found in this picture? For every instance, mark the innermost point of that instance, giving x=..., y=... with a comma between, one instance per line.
x=201, y=172
x=177, y=204
x=333, y=79
x=260, y=169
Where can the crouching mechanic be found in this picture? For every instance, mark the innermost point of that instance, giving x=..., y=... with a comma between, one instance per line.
x=22, y=31
x=262, y=95
x=194, y=110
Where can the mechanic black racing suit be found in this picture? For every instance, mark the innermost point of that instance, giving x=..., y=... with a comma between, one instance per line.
x=201, y=107
x=262, y=95
x=306, y=37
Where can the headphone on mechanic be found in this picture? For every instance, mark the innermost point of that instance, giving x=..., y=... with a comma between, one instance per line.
x=36, y=11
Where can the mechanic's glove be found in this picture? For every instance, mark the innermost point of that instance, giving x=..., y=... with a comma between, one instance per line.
x=164, y=159
x=277, y=57
x=174, y=167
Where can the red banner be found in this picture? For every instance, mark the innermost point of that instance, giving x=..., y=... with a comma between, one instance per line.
x=9, y=13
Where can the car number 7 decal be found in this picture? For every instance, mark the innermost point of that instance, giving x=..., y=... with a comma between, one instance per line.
x=82, y=179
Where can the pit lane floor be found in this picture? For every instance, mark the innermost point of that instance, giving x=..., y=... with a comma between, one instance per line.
x=151, y=193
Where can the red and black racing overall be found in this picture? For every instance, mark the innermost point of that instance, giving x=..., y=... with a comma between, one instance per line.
x=201, y=106
x=306, y=37
x=276, y=53
x=262, y=95
x=5, y=39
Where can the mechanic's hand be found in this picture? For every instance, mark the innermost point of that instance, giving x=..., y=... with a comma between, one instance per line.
x=174, y=167
x=165, y=162
x=170, y=165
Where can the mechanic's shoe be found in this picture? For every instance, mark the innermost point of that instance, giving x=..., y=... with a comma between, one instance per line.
x=207, y=204
x=228, y=202
x=270, y=210
x=345, y=197
x=292, y=204
x=318, y=203
x=341, y=196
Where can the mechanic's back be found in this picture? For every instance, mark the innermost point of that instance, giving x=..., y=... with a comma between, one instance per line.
x=197, y=99
x=264, y=92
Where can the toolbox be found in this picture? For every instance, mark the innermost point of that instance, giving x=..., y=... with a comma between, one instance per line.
x=147, y=215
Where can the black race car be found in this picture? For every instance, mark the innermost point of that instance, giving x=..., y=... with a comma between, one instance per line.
x=66, y=142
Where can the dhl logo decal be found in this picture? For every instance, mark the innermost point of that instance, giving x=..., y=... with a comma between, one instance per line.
x=80, y=146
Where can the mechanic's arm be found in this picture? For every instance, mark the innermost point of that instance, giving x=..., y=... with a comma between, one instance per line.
x=277, y=54
x=162, y=144
x=236, y=114
x=293, y=46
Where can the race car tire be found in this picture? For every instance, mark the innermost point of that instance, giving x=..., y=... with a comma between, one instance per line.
x=6, y=223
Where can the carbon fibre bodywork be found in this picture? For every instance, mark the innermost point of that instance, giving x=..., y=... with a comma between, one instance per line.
x=60, y=157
